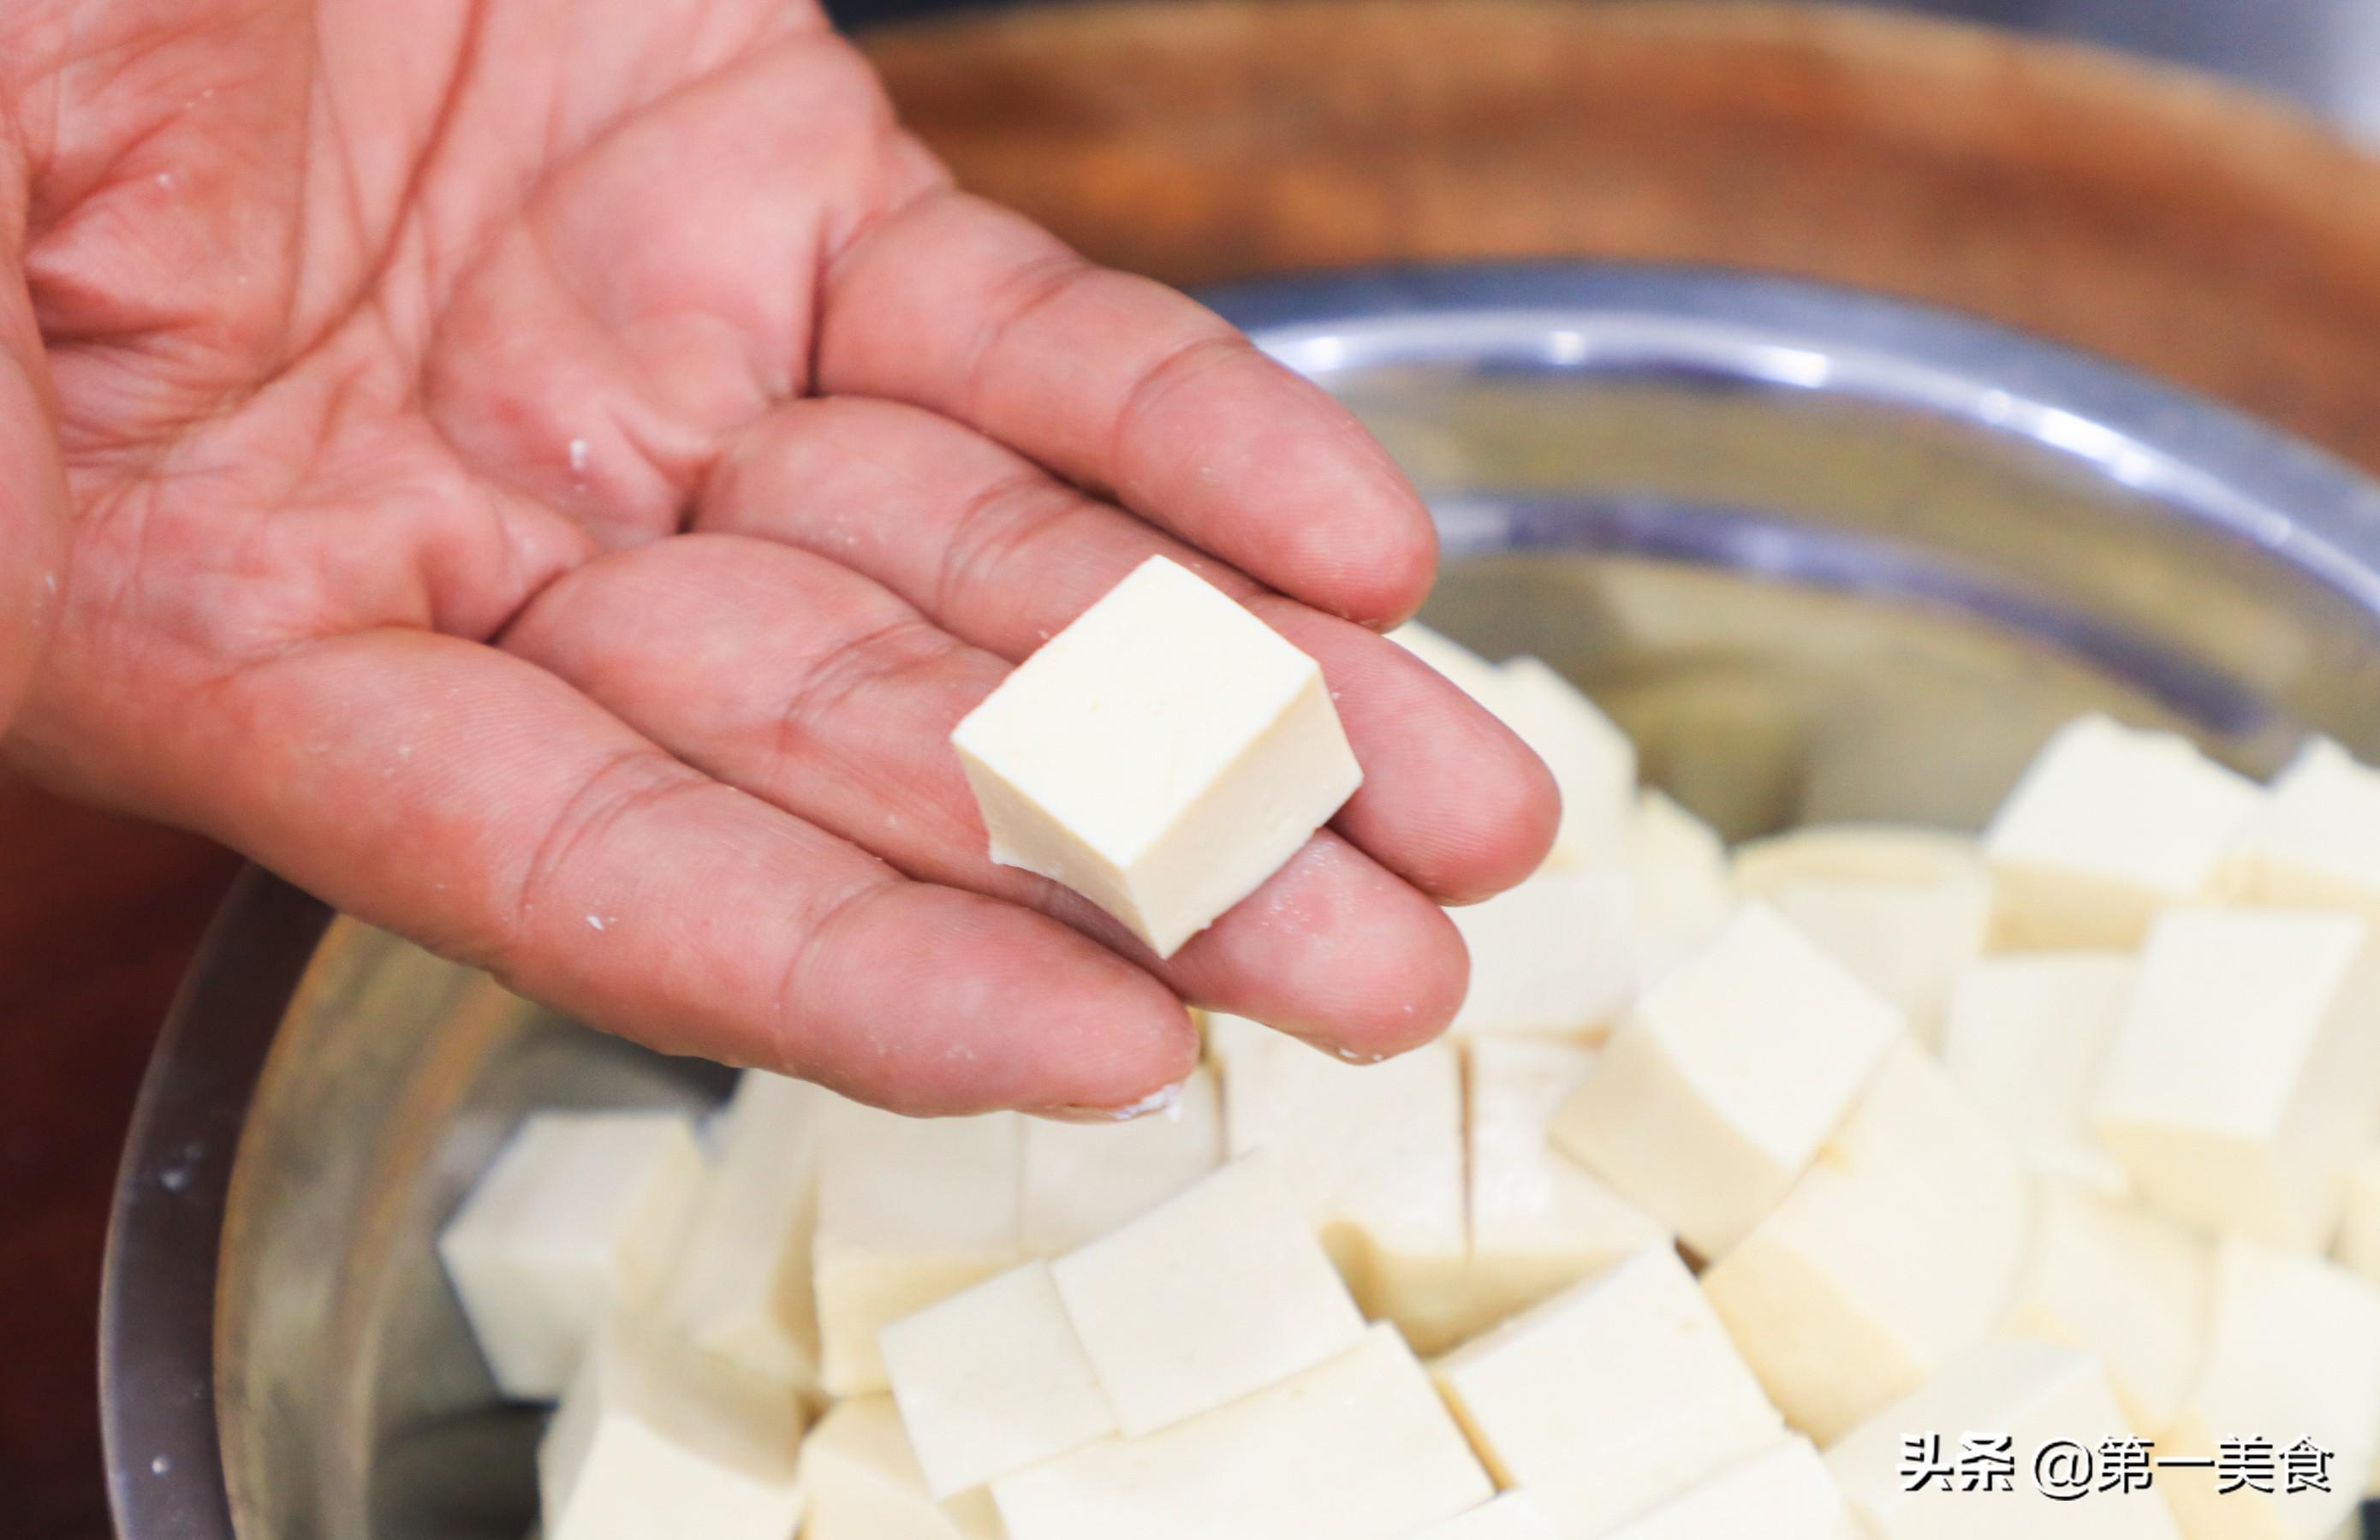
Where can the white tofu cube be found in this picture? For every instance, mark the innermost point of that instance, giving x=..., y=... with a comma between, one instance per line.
x=2359, y=1231
x=1374, y=1153
x=862, y=1482
x=655, y=1438
x=1677, y=864
x=2294, y=1352
x=1782, y=1493
x=2034, y=1393
x=1906, y=940
x=741, y=1288
x=1609, y=1398
x=1161, y=756
x=910, y=1210
x=2127, y=1285
x=1593, y=761
x=1215, y=1294
x=1899, y=1247
x=992, y=1380
x=1889, y=852
x=2026, y=1036
x=2315, y=841
x=1084, y=1180
x=1725, y=1078
x=2244, y=1077
x=1356, y=1447
x=2108, y=824
x=1554, y=956
x=578, y=1215
x=1513, y=1516
x=1539, y=1220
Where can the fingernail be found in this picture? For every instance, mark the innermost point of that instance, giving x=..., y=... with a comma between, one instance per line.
x=1163, y=1101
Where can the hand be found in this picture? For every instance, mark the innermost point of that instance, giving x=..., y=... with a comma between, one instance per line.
x=547, y=477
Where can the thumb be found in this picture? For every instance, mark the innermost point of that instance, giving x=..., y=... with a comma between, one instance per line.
x=33, y=504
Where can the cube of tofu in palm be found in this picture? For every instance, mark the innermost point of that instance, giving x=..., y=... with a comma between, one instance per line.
x=653, y=1437
x=579, y=1217
x=1555, y=956
x=2027, y=1036
x=910, y=1210
x=1899, y=1247
x=1677, y=864
x=741, y=1288
x=1611, y=1398
x=2294, y=1354
x=1357, y=1447
x=1205, y=1299
x=1726, y=1077
x=1539, y=1220
x=1084, y=1180
x=2107, y=825
x=2244, y=1078
x=1513, y=1516
x=1783, y=1493
x=1374, y=1153
x=2126, y=1285
x=2315, y=841
x=862, y=1482
x=1161, y=756
x=2034, y=1393
x=993, y=1379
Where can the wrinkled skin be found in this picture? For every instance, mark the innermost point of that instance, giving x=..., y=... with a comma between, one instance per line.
x=547, y=475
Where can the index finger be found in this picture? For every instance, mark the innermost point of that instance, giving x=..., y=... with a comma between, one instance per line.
x=1130, y=390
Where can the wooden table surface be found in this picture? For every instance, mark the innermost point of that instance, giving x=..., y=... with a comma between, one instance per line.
x=2152, y=217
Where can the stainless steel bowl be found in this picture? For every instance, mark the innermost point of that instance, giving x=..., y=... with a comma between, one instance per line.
x=1825, y=555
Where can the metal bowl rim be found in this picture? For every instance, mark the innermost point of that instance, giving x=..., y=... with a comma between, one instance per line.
x=158, y=1425
x=2208, y=463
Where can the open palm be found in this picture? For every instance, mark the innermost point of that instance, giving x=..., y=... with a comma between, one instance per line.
x=547, y=475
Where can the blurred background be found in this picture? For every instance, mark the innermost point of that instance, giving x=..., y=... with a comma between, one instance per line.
x=2323, y=54
x=2182, y=184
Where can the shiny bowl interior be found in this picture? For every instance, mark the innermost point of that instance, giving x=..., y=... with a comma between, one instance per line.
x=1825, y=555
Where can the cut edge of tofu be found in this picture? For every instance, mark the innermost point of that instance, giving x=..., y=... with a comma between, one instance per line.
x=937, y=1390
x=1650, y=1269
x=705, y=1413
x=483, y=1239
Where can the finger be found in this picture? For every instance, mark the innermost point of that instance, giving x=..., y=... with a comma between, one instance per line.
x=1129, y=389
x=1000, y=556
x=799, y=681
x=461, y=796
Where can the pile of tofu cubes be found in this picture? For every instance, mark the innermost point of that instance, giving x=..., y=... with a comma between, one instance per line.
x=1739, y=1173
